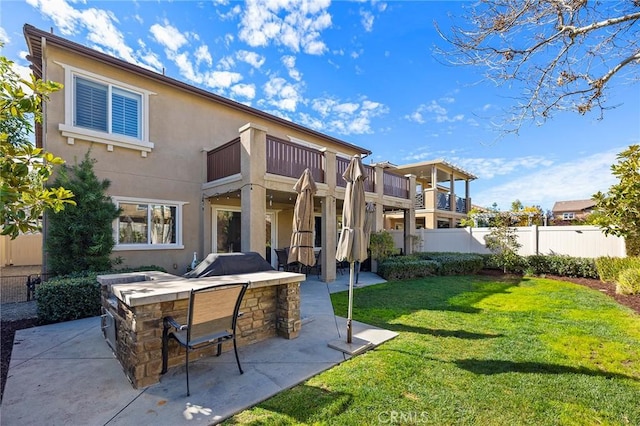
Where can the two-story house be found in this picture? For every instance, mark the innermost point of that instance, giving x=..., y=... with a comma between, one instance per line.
x=190, y=170
x=442, y=195
x=572, y=211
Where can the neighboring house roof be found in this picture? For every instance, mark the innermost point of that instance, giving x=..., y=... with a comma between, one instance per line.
x=35, y=36
x=572, y=206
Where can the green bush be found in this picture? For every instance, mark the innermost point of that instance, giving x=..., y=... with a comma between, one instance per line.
x=564, y=266
x=405, y=267
x=455, y=263
x=629, y=281
x=609, y=268
x=74, y=296
x=67, y=299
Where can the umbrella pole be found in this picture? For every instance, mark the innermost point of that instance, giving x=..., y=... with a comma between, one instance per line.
x=349, y=314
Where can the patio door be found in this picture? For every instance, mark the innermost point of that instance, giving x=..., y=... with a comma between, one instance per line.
x=227, y=232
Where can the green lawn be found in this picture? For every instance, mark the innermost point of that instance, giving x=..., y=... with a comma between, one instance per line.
x=477, y=351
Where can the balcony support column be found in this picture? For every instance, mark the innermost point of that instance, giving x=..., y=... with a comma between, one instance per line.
x=253, y=160
x=410, y=217
x=329, y=214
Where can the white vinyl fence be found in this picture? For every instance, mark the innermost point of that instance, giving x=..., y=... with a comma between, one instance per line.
x=576, y=241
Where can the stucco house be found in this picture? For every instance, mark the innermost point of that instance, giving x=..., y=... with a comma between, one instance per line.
x=442, y=197
x=193, y=171
x=570, y=211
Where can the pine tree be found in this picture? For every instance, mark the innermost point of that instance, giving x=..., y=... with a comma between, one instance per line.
x=80, y=238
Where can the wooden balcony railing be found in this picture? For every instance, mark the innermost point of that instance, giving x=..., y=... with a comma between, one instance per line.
x=223, y=161
x=369, y=182
x=289, y=159
x=395, y=185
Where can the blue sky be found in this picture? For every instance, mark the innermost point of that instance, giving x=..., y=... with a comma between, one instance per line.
x=362, y=71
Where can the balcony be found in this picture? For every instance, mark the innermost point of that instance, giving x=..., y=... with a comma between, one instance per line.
x=443, y=202
x=289, y=159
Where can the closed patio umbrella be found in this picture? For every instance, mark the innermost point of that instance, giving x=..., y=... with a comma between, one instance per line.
x=351, y=245
x=301, y=247
x=369, y=218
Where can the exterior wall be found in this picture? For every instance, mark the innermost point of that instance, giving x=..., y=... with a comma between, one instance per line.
x=577, y=241
x=25, y=250
x=182, y=126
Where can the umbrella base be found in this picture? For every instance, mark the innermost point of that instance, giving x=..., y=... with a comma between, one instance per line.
x=357, y=346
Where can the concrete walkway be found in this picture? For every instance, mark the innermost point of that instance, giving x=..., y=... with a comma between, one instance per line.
x=65, y=373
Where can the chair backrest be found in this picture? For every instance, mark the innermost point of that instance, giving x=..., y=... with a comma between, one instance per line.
x=282, y=256
x=213, y=309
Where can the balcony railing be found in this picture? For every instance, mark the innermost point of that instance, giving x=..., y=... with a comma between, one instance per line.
x=369, y=182
x=289, y=159
x=223, y=161
x=395, y=185
x=442, y=201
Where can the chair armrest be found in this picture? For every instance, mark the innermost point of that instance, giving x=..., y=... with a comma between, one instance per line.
x=171, y=322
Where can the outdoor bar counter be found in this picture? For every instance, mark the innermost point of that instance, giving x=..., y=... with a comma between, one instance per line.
x=134, y=305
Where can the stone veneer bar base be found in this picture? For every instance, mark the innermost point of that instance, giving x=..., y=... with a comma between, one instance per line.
x=138, y=302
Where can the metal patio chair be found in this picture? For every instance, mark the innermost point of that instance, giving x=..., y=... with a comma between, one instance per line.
x=211, y=320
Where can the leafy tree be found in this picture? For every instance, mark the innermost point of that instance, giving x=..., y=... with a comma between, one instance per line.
x=562, y=54
x=526, y=215
x=618, y=211
x=24, y=169
x=80, y=238
x=503, y=241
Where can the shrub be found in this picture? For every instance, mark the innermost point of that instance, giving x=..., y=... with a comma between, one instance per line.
x=405, y=267
x=67, y=299
x=74, y=296
x=564, y=266
x=629, y=281
x=455, y=263
x=609, y=268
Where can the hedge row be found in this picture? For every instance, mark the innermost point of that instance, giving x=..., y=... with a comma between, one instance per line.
x=609, y=268
x=428, y=264
x=74, y=296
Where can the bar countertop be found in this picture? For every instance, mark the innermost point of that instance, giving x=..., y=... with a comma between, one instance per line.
x=143, y=288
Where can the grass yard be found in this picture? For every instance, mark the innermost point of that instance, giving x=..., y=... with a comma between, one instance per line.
x=477, y=350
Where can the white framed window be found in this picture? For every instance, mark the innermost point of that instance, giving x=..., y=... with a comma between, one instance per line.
x=103, y=110
x=568, y=216
x=146, y=224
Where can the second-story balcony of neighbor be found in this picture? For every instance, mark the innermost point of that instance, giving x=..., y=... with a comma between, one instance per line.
x=290, y=159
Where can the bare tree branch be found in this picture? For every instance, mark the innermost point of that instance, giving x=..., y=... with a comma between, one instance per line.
x=560, y=54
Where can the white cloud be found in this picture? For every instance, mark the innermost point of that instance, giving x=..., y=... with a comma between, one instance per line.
x=366, y=20
x=571, y=180
x=289, y=63
x=488, y=168
x=282, y=94
x=222, y=79
x=294, y=24
x=247, y=91
x=4, y=37
x=168, y=36
x=202, y=55
x=100, y=25
x=435, y=112
x=344, y=117
x=226, y=63
x=251, y=58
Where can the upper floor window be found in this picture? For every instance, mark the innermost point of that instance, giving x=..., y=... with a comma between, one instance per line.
x=568, y=216
x=103, y=110
x=107, y=108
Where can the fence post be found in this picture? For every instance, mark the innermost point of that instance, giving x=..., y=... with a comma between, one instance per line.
x=535, y=239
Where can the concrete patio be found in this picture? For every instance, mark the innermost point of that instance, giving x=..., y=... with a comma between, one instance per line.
x=65, y=373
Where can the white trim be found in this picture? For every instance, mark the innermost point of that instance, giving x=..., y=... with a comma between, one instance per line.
x=179, y=224
x=71, y=132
